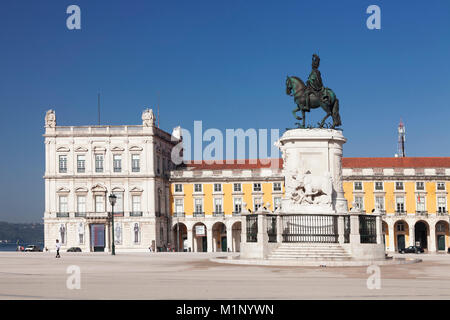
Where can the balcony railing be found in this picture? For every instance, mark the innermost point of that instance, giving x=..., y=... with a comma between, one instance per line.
x=80, y=214
x=118, y=214
x=62, y=214
x=442, y=213
x=199, y=214
x=179, y=214
x=422, y=213
x=218, y=214
x=237, y=213
x=400, y=213
x=136, y=214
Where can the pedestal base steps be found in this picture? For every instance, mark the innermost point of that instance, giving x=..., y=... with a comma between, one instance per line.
x=310, y=252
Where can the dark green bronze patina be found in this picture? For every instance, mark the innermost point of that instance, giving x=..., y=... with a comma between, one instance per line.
x=313, y=95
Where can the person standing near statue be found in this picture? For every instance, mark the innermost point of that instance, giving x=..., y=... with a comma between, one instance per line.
x=314, y=83
x=58, y=247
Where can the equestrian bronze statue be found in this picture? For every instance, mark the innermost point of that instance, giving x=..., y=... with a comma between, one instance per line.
x=313, y=95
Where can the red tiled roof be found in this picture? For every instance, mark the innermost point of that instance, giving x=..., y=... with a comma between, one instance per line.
x=407, y=162
x=236, y=164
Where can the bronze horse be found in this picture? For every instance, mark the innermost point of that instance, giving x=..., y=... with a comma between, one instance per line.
x=330, y=104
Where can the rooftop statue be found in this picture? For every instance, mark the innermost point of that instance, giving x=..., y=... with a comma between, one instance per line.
x=313, y=95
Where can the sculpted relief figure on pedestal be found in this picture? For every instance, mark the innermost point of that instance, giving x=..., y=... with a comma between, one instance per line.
x=309, y=189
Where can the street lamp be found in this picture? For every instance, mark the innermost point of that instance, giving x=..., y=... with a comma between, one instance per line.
x=112, y=201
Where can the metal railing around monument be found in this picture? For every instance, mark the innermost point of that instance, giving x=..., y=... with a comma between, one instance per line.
x=252, y=227
x=318, y=228
x=367, y=229
x=271, y=227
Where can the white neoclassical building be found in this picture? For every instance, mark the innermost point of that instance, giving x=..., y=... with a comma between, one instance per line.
x=84, y=164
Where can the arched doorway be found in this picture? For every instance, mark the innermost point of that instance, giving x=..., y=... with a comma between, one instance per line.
x=219, y=231
x=442, y=229
x=236, y=230
x=421, y=233
x=199, y=238
x=401, y=231
x=180, y=236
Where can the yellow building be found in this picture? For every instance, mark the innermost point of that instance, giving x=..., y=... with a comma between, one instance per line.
x=207, y=199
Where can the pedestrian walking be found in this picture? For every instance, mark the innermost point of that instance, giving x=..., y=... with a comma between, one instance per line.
x=58, y=246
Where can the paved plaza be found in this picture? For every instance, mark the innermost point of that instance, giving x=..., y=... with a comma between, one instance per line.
x=194, y=276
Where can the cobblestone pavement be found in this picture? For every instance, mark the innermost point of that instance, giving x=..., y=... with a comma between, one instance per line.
x=37, y=275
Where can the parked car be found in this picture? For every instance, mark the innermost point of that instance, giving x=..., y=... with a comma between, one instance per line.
x=412, y=249
x=32, y=248
x=74, y=249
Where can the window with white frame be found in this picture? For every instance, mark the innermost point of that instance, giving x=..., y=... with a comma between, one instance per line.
x=217, y=187
x=277, y=186
x=99, y=163
x=179, y=206
x=420, y=185
x=237, y=187
x=81, y=163
x=400, y=203
x=420, y=203
x=178, y=187
x=440, y=227
x=357, y=185
x=81, y=204
x=379, y=202
x=198, y=205
x=136, y=203
x=63, y=204
x=218, y=205
x=117, y=163
x=99, y=203
x=257, y=187
x=62, y=163
x=118, y=207
x=399, y=185
x=441, y=186
x=379, y=185
x=135, y=163
x=359, y=202
x=237, y=205
x=400, y=226
x=198, y=187
x=442, y=204
x=257, y=203
x=276, y=203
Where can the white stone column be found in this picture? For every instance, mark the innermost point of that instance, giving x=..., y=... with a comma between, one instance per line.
x=210, y=240
x=190, y=240
x=354, y=229
x=411, y=234
x=391, y=237
x=107, y=238
x=279, y=229
x=341, y=228
x=379, y=226
x=230, y=246
x=432, y=242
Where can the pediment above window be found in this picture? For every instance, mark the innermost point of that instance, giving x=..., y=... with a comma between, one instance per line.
x=81, y=190
x=136, y=189
x=62, y=149
x=135, y=148
x=118, y=189
x=99, y=149
x=117, y=149
x=98, y=188
x=62, y=190
x=81, y=149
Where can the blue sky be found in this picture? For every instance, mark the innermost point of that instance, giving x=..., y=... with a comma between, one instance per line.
x=222, y=62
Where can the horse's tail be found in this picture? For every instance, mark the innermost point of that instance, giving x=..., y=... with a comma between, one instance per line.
x=335, y=114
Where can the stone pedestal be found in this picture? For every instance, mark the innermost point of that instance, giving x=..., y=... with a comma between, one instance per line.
x=312, y=166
